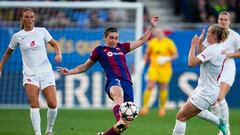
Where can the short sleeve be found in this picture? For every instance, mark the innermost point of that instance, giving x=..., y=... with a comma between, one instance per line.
x=126, y=47
x=94, y=55
x=13, y=43
x=207, y=54
x=205, y=43
x=47, y=36
x=172, y=46
x=149, y=45
x=238, y=41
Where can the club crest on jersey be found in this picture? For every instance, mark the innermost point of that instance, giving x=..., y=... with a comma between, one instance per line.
x=109, y=54
x=32, y=43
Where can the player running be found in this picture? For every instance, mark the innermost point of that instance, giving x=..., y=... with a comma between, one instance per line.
x=227, y=78
x=207, y=91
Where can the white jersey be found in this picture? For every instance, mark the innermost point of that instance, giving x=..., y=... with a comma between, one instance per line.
x=33, y=49
x=212, y=59
x=207, y=90
x=232, y=44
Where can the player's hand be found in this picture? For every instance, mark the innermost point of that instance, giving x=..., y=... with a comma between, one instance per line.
x=201, y=37
x=195, y=41
x=163, y=59
x=229, y=55
x=154, y=20
x=63, y=71
x=58, y=58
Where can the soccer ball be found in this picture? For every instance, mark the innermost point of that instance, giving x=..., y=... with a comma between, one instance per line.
x=129, y=111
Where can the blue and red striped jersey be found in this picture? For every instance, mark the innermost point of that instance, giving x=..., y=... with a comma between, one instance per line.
x=113, y=60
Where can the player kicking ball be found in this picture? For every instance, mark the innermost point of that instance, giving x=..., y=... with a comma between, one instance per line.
x=112, y=58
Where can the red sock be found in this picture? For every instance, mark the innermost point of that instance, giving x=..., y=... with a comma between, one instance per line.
x=111, y=131
x=116, y=112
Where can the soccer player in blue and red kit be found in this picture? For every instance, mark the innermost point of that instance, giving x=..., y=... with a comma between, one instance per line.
x=112, y=59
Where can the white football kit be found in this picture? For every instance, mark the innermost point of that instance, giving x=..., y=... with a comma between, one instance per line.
x=232, y=44
x=37, y=68
x=207, y=90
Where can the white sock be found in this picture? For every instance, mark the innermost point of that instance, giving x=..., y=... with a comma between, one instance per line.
x=224, y=111
x=180, y=128
x=215, y=109
x=209, y=117
x=36, y=120
x=51, y=116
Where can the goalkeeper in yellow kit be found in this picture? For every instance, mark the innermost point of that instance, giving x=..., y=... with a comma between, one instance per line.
x=160, y=52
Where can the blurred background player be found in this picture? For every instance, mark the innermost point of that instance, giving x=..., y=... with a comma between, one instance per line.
x=207, y=91
x=227, y=78
x=112, y=59
x=160, y=52
x=37, y=70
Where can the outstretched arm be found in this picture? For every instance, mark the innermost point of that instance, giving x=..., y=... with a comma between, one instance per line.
x=79, y=69
x=5, y=58
x=145, y=36
x=54, y=44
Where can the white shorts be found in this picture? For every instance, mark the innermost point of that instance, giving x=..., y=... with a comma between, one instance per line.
x=41, y=80
x=203, y=99
x=229, y=72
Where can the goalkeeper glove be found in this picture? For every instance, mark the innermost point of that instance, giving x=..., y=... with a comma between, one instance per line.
x=163, y=59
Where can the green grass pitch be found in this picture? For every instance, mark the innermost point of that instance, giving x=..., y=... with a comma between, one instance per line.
x=89, y=122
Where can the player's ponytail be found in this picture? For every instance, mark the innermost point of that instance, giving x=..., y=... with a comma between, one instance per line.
x=225, y=34
x=220, y=32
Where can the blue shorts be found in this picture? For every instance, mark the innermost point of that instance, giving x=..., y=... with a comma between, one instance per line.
x=126, y=86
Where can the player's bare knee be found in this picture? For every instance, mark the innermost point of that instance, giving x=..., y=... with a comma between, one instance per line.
x=118, y=99
x=118, y=94
x=52, y=105
x=180, y=117
x=220, y=98
x=150, y=87
x=34, y=104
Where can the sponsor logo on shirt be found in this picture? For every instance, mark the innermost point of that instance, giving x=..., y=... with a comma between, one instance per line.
x=118, y=53
x=114, y=53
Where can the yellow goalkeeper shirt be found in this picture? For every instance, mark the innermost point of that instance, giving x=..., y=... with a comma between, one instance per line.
x=163, y=47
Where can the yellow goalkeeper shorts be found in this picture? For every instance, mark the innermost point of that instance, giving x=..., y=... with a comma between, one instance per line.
x=159, y=75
